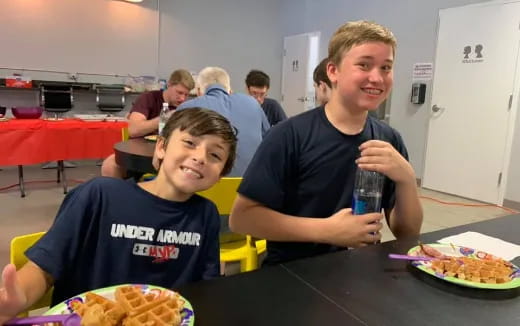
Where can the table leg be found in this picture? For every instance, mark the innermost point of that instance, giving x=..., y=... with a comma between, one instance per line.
x=20, y=181
x=61, y=171
x=58, y=172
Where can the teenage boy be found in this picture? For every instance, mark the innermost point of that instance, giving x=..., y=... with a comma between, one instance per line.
x=257, y=84
x=297, y=191
x=110, y=231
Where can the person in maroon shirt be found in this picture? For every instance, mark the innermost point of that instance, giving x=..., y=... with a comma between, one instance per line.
x=143, y=118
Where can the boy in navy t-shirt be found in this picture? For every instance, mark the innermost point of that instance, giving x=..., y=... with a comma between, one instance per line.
x=297, y=190
x=110, y=231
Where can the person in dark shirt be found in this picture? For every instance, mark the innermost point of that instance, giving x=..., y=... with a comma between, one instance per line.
x=110, y=231
x=143, y=118
x=258, y=83
x=297, y=190
x=322, y=84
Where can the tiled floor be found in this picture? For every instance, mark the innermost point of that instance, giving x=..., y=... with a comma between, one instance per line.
x=36, y=211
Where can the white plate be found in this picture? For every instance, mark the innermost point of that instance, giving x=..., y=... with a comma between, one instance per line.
x=65, y=307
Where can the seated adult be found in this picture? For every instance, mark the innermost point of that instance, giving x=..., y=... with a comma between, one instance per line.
x=257, y=83
x=244, y=113
x=322, y=84
x=143, y=118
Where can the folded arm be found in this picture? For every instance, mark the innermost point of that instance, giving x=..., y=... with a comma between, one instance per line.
x=405, y=219
x=139, y=126
x=341, y=229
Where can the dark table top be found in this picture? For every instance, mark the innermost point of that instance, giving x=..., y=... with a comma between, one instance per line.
x=358, y=286
x=135, y=155
x=270, y=296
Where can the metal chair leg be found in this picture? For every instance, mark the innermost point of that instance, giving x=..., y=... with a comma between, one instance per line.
x=58, y=173
x=61, y=170
x=20, y=181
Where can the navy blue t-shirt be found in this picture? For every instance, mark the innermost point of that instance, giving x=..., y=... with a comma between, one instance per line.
x=110, y=231
x=306, y=167
x=273, y=110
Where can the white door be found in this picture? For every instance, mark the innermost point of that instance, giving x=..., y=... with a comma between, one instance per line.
x=470, y=124
x=299, y=59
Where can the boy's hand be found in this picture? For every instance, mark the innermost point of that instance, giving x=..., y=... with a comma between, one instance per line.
x=12, y=297
x=348, y=230
x=382, y=157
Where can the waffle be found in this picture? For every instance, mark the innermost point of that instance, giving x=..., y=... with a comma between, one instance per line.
x=166, y=313
x=475, y=270
x=113, y=311
x=134, y=302
x=132, y=307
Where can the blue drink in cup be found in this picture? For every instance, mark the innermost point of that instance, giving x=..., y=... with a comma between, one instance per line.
x=368, y=190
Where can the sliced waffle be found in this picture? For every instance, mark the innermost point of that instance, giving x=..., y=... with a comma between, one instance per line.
x=476, y=270
x=112, y=310
x=135, y=302
x=165, y=314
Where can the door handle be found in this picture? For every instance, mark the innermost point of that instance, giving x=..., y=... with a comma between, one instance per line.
x=303, y=99
x=436, y=108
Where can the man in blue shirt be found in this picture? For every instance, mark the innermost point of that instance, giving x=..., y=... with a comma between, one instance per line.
x=244, y=113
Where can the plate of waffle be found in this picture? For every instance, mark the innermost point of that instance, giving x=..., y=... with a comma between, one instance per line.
x=129, y=305
x=466, y=266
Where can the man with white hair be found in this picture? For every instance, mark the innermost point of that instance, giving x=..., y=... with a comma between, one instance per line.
x=243, y=111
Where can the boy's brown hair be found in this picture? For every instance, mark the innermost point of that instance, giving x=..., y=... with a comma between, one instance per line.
x=257, y=78
x=356, y=33
x=182, y=77
x=199, y=122
x=320, y=73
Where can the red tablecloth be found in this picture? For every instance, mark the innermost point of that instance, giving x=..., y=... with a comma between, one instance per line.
x=32, y=141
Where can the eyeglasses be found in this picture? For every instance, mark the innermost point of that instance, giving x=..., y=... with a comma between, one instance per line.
x=256, y=94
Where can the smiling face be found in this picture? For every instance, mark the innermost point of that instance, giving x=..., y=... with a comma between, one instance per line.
x=189, y=163
x=364, y=76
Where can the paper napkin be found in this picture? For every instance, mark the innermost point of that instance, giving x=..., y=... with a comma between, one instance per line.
x=491, y=245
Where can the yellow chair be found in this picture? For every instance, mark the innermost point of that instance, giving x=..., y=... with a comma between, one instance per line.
x=17, y=256
x=124, y=133
x=223, y=194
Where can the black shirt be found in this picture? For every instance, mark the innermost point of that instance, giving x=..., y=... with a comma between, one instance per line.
x=273, y=111
x=306, y=167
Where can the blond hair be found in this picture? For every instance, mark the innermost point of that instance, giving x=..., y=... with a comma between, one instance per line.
x=355, y=33
x=182, y=77
x=213, y=75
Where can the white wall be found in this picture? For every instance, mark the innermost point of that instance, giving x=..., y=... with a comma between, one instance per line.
x=513, y=179
x=94, y=36
x=237, y=35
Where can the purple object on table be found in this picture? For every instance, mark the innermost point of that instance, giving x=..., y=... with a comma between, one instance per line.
x=30, y=112
x=65, y=320
x=408, y=257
